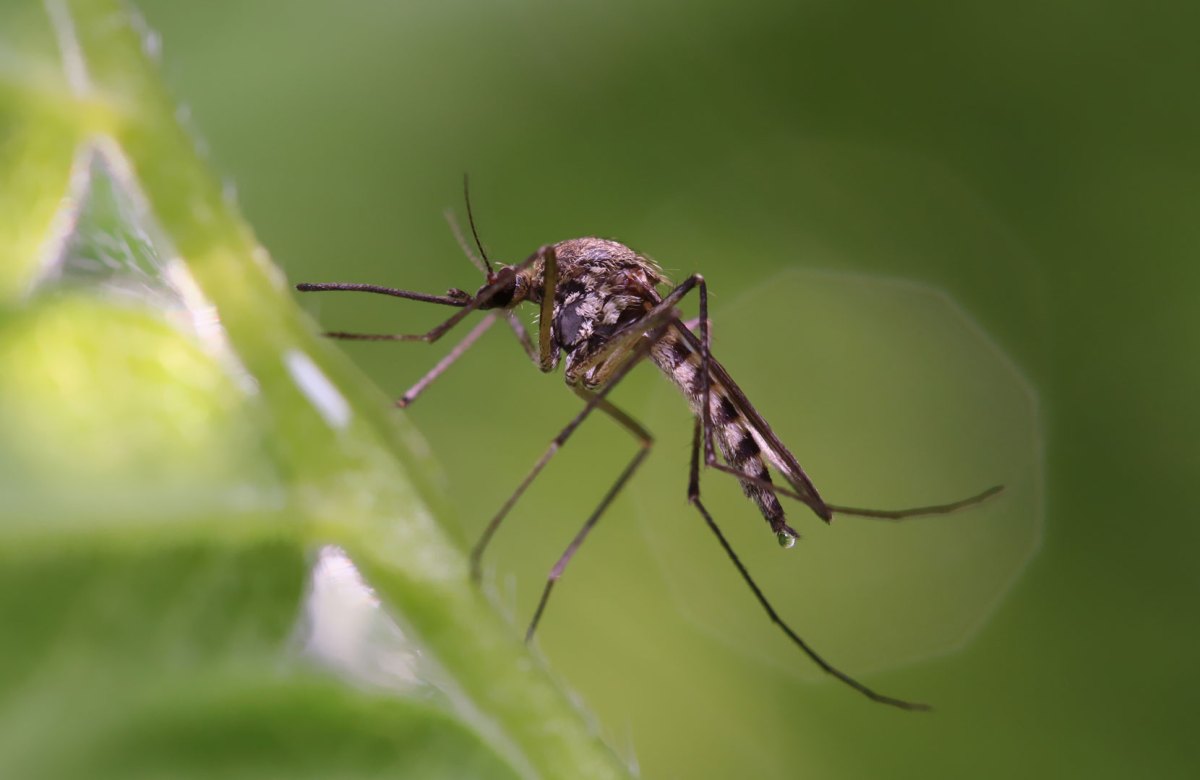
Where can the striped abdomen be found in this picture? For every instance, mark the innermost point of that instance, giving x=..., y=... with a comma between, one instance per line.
x=738, y=442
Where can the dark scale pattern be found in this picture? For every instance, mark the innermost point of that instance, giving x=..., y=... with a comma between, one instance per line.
x=747, y=448
x=732, y=435
x=724, y=412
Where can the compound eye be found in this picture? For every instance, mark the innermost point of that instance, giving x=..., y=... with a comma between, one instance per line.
x=503, y=287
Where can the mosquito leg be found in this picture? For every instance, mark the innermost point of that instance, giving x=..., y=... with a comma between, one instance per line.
x=514, y=322
x=518, y=329
x=573, y=547
x=694, y=323
x=645, y=442
x=694, y=499
x=918, y=511
x=455, y=298
x=877, y=514
x=467, y=303
x=753, y=480
x=608, y=374
x=556, y=444
x=693, y=491
x=547, y=351
x=792, y=635
x=523, y=338
x=413, y=392
x=802, y=488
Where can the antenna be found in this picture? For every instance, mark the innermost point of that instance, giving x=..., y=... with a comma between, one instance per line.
x=471, y=220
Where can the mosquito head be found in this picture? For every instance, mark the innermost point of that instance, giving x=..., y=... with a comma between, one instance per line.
x=505, y=288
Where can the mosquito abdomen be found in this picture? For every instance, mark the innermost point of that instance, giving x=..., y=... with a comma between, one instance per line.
x=734, y=437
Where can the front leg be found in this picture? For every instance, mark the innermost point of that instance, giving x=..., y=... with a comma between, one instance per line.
x=548, y=350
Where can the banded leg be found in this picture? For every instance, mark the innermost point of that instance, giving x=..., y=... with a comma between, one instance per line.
x=694, y=500
x=645, y=442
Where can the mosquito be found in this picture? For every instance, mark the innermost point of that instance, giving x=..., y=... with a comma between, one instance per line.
x=606, y=308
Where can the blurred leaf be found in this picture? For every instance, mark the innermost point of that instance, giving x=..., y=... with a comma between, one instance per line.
x=179, y=447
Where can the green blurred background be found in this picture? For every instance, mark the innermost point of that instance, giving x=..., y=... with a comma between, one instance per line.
x=1036, y=161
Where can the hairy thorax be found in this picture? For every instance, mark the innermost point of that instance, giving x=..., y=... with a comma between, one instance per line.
x=602, y=287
